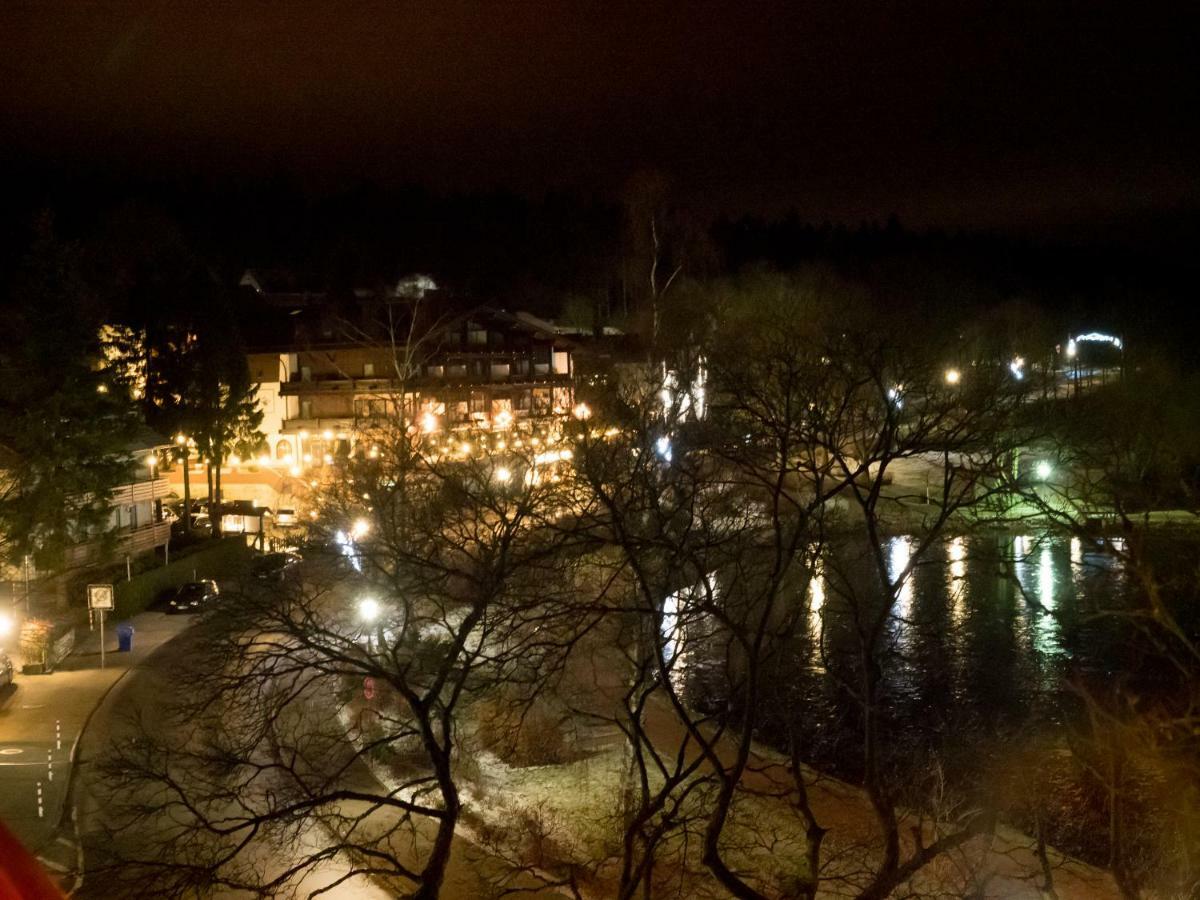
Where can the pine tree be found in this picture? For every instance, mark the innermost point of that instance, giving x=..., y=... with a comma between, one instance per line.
x=65, y=423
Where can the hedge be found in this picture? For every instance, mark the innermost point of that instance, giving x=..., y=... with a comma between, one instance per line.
x=214, y=561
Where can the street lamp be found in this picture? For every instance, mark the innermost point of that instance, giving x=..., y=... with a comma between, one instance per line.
x=503, y=475
x=360, y=529
x=953, y=376
x=368, y=610
x=1044, y=470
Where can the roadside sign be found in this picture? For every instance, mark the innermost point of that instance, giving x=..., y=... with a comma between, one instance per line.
x=368, y=688
x=100, y=596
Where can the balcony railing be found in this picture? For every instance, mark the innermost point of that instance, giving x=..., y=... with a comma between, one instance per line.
x=131, y=542
x=134, y=492
x=430, y=384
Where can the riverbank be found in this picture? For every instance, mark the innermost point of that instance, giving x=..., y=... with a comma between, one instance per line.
x=567, y=816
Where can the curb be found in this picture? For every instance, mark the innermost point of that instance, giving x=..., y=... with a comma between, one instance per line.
x=69, y=800
x=69, y=805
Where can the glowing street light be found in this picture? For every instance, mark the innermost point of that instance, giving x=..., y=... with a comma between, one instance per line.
x=360, y=529
x=503, y=475
x=582, y=411
x=1044, y=470
x=1017, y=367
x=369, y=610
x=953, y=376
x=6, y=625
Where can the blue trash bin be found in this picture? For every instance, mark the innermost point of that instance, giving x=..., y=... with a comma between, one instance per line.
x=124, y=637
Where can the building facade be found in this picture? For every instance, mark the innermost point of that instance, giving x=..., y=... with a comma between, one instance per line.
x=485, y=371
x=331, y=371
x=137, y=523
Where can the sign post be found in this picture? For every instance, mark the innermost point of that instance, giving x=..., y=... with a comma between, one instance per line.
x=100, y=598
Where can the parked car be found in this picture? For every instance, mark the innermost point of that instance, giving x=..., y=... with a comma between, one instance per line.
x=6, y=669
x=193, y=596
x=274, y=566
x=201, y=526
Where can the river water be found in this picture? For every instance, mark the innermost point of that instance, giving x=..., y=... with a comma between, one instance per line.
x=988, y=633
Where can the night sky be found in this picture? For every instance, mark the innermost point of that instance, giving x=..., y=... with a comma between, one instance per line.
x=958, y=113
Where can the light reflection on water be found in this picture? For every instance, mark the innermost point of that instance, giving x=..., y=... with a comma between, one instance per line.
x=683, y=626
x=899, y=557
x=984, y=630
x=956, y=581
x=813, y=620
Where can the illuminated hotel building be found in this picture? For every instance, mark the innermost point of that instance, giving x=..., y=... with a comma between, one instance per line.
x=335, y=378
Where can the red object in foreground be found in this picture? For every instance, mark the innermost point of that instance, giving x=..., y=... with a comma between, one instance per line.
x=369, y=688
x=21, y=875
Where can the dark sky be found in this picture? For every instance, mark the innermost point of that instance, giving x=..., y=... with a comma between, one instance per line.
x=955, y=113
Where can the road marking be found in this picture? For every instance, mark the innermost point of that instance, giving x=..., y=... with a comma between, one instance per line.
x=11, y=751
x=35, y=706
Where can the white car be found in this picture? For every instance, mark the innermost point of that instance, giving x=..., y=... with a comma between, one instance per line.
x=6, y=669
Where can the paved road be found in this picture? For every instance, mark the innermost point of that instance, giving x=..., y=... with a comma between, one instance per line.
x=32, y=750
x=162, y=676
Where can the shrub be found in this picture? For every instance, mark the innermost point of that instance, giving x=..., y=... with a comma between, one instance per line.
x=521, y=735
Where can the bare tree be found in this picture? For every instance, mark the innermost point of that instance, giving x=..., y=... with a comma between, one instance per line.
x=720, y=525
x=1124, y=489
x=435, y=578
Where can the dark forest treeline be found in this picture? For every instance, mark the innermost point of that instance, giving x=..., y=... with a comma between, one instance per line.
x=588, y=259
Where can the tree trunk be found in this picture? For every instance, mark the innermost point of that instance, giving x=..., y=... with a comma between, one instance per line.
x=216, y=499
x=881, y=798
x=187, y=494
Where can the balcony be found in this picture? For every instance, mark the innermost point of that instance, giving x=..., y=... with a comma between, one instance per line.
x=377, y=386
x=131, y=542
x=136, y=491
x=317, y=426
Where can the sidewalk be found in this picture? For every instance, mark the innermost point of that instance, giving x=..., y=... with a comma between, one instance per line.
x=33, y=752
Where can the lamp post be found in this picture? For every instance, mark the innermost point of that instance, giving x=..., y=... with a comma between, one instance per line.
x=368, y=614
x=152, y=464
